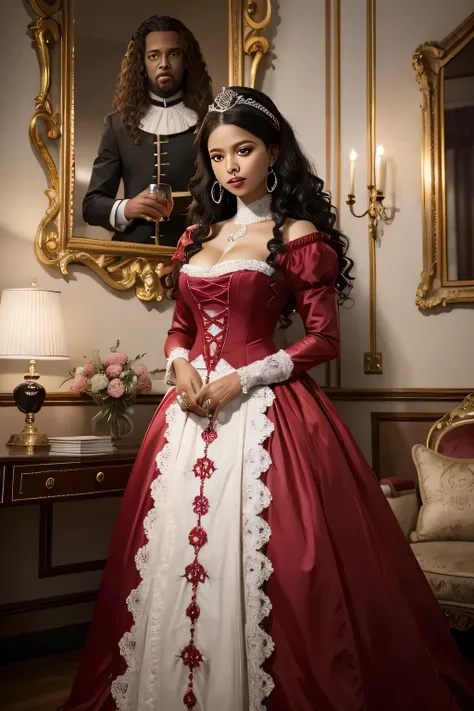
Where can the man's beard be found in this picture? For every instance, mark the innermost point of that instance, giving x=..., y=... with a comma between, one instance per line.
x=164, y=93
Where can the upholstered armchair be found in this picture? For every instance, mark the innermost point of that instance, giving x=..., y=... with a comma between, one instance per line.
x=439, y=518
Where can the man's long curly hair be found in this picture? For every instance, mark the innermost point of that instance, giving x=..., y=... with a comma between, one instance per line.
x=299, y=193
x=131, y=94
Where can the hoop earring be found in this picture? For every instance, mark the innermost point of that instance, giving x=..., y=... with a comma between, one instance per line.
x=275, y=180
x=213, y=192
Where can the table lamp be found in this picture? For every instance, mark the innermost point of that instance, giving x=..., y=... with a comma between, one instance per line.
x=31, y=328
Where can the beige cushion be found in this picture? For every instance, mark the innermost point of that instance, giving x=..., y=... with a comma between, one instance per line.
x=447, y=494
x=449, y=569
x=405, y=508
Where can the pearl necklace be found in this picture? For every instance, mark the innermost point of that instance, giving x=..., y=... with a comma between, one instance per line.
x=258, y=211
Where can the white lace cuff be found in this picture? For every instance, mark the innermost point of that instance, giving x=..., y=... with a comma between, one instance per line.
x=274, y=368
x=170, y=378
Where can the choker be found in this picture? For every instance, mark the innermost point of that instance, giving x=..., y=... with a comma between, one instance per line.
x=258, y=211
x=251, y=214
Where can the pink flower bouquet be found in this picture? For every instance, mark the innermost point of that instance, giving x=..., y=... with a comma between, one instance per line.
x=113, y=383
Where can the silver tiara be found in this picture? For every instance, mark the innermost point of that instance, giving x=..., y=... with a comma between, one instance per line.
x=228, y=98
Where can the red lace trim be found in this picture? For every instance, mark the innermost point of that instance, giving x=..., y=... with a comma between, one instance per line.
x=213, y=303
x=195, y=573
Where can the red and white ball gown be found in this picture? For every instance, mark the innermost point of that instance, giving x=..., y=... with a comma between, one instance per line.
x=256, y=563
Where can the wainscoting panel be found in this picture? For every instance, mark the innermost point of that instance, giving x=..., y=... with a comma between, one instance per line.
x=393, y=436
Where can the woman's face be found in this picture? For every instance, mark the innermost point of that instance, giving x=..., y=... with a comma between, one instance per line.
x=240, y=161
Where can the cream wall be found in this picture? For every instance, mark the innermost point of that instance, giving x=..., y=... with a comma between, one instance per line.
x=96, y=315
x=416, y=347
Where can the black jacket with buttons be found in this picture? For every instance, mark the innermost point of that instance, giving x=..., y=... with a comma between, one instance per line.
x=166, y=159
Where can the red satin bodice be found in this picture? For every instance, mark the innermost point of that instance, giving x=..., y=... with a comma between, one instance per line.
x=234, y=316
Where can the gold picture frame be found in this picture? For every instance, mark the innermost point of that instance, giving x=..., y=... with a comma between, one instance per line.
x=428, y=62
x=121, y=265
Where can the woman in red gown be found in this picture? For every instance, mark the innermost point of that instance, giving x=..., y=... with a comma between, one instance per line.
x=256, y=563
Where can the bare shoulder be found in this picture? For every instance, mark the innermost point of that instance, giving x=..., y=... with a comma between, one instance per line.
x=293, y=229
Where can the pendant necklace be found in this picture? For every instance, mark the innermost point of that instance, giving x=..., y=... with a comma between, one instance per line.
x=258, y=211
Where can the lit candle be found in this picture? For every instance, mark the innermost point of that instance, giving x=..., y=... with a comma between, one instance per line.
x=352, y=156
x=378, y=168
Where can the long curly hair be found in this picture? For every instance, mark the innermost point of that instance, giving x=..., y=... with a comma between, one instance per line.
x=131, y=93
x=299, y=193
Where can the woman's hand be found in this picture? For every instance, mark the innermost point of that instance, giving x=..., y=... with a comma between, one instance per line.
x=216, y=395
x=188, y=384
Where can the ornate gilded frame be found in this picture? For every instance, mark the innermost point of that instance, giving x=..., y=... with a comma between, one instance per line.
x=428, y=62
x=121, y=265
x=463, y=414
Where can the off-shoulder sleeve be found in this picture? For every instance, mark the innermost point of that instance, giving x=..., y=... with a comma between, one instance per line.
x=310, y=267
x=311, y=271
x=183, y=329
x=179, y=255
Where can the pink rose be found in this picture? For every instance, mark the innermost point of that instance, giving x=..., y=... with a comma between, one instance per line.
x=116, y=388
x=113, y=371
x=88, y=370
x=140, y=369
x=120, y=358
x=143, y=384
x=80, y=384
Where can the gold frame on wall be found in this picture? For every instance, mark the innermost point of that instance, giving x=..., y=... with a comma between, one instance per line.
x=428, y=62
x=121, y=265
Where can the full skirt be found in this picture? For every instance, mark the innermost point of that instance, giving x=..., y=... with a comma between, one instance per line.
x=277, y=578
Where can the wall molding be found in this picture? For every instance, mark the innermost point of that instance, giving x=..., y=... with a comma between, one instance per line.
x=47, y=603
x=46, y=568
x=333, y=174
x=397, y=394
x=58, y=399
x=377, y=418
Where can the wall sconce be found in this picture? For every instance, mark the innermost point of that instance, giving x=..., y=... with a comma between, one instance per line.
x=376, y=210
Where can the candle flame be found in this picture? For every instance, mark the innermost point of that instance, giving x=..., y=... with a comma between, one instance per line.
x=380, y=151
x=353, y=155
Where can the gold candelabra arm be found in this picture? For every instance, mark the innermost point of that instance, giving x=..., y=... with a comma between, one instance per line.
x=351, y=202
x=376, y=210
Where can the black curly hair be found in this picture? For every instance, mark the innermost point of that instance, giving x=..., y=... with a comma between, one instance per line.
x=131, y=94
x=299, y=193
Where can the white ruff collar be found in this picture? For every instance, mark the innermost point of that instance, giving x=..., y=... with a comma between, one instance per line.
x=258, y=211
x=166, y=120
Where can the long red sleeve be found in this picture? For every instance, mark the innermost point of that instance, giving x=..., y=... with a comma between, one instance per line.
x=311, y=270
x=183, y=328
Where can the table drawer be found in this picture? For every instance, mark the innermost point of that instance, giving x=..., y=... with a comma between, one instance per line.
x=57, y=481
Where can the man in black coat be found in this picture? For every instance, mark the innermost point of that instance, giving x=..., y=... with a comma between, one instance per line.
x=163, y=91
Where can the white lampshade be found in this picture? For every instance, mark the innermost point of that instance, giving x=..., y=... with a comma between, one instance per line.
x=31, y=325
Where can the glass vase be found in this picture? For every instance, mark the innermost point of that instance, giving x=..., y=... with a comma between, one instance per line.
x=109, y=421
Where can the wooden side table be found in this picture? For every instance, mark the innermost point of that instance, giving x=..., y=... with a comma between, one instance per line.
x=37, y=477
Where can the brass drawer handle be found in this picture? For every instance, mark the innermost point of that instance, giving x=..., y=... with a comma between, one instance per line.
x=100, y=477
x=50, y=482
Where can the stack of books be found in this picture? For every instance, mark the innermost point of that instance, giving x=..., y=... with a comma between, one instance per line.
x=87, y=445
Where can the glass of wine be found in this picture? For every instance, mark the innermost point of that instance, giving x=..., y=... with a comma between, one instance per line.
x=163, y=194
